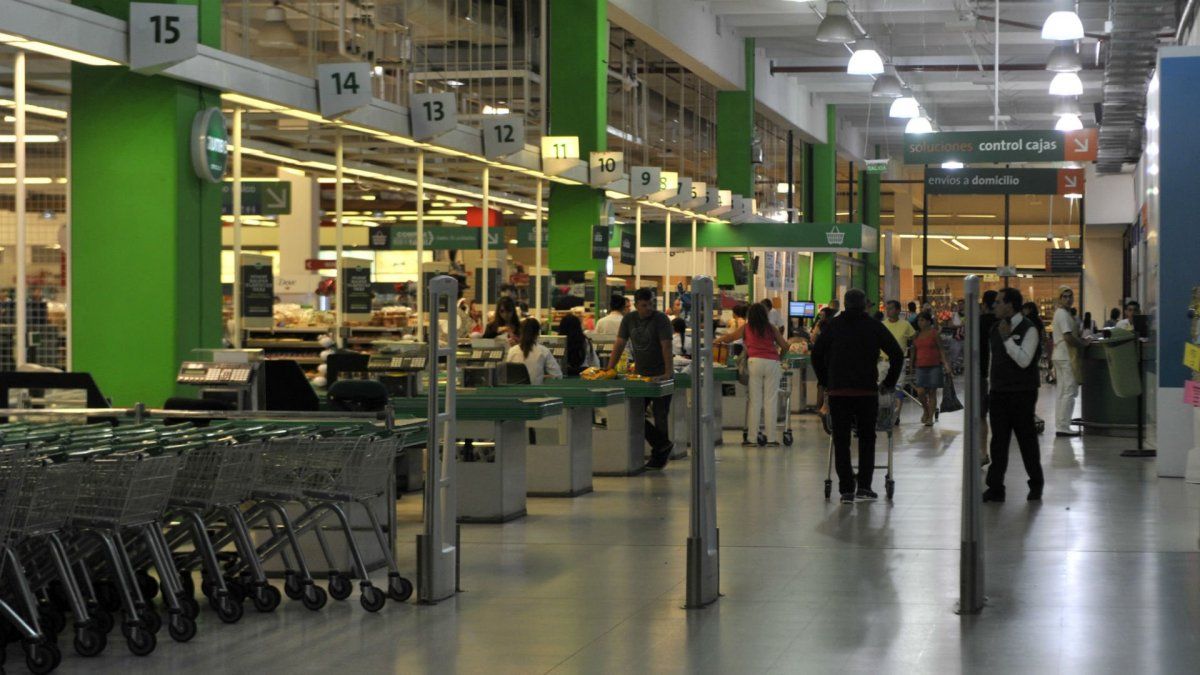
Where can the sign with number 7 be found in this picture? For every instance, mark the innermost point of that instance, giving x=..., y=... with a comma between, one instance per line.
x=342, y=87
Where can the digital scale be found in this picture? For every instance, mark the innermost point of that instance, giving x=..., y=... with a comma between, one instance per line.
x=392, y=363
x=232, y=375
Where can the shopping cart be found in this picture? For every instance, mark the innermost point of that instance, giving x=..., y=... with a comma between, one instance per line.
x=783, y=414
x=885, y=421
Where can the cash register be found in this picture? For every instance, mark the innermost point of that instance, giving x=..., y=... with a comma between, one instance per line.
x=398, y=365
x=229, y=375
x=478, y=360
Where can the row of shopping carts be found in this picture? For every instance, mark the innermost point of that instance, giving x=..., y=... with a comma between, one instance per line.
x=98, y=521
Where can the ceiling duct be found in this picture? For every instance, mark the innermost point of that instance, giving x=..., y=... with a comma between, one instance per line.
x=1132, y=50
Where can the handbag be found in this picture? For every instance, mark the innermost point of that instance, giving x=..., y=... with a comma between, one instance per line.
x=743, y=369
x=950, y=402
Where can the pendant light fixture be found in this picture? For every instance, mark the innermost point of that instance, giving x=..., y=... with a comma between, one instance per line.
x=1066, y=84
x=865, y=60
x=275, y=32
x=1068, y=122
x=1063, y=24
x=918, y=125
x=906, y=106
x=1063, y=59
x=1066, y=106
x=886, y=85
x=836, y=26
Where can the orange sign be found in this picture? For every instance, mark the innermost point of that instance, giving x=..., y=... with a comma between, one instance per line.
x=1081, y=145
x=1070, y=181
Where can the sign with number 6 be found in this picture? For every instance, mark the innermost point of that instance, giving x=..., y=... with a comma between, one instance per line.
x=503, y=135
x=342, y=87
x=432, y=114
x=161, y=35
x=644, y=180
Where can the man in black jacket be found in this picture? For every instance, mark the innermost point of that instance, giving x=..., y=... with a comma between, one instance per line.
x=1014, y=345
x=845, y=359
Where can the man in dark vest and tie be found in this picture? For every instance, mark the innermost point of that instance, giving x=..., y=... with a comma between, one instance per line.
x=1013, y=344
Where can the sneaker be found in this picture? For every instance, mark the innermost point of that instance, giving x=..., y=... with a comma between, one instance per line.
x=866, y=495
x=847, y=497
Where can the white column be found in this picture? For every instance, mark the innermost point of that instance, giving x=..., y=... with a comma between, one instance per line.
x=421, y=244
x=666, y=295
x=338, y=203
x=694, y=256
x=537, y=247
x=19, y=345
x=487, y=221
x=237, y=227
x=637, y=265
x=299, y=239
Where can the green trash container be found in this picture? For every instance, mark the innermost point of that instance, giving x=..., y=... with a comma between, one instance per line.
x=1121, y=352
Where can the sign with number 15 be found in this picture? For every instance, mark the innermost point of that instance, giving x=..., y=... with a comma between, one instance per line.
x=161, y=35
x=342, y=87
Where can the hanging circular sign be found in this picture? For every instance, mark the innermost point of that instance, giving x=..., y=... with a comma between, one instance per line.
x=210, y=145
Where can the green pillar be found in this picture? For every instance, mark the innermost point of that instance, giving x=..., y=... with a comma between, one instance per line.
x=145, y=230
x=735, y=133
x=869, y=193
x=824, y=205
x=578, y=107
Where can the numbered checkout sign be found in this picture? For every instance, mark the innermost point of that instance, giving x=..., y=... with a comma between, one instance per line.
x=503, y=135
x=161, y=35
x=559, y=154
x=432, y=114
x=644, y=181
x=605, y=168
x=342, y=87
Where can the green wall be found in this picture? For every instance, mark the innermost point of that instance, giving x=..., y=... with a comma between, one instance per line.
x=823, y=179
x=145, y=231
x=579, y=107
x=869, y=191
x=735, y=133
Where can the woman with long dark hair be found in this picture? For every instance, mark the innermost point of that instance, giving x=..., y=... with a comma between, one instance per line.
x=505, y=321
x=932, y=365
x=538, y=360
x=581, y=355
x=764, y=346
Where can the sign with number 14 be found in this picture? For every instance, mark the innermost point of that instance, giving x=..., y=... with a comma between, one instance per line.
x=342, y=87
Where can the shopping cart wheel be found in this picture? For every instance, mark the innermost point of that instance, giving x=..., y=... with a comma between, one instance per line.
x=42, y=657
x=266, y=598
x=189, y=606
x=89, y=641
x=788, y=439
x=229, y=609
x=181, y=628
x=372, y=598
x=340, y=587
x=761, y=440
x=828, y=489
x=292, y=586
x=890, y=488
x=140, y=641
x=314, y=597
x=399, y=588
x=151, y=620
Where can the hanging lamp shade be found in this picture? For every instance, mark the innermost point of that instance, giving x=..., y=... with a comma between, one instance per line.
x=1062, y=25
x=865, y=60
x=1063, y=59
x=886, y=86
x=1066, y=106
x=906, y=106
x=1069, y=122
x=275, y=32
x=918, y=125
x=1066, y=84
x=836, y=26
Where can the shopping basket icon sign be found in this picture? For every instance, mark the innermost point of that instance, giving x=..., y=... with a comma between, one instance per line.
x=835, y=237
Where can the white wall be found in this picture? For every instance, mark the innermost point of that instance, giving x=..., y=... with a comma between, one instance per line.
x=1108, y=199
x=1102, y=263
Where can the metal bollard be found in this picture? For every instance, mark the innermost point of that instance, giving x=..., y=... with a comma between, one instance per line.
x=970, y=562
x=703, y=544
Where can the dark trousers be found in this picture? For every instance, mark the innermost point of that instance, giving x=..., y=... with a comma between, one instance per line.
x=657, y=434
x=859, y=412
x=1011, y=413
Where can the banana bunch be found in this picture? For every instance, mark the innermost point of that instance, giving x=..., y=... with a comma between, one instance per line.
x=598, y=374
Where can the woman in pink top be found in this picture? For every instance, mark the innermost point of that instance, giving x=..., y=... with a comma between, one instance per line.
x=763, y=346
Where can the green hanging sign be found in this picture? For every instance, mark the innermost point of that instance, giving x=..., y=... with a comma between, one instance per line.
x=440, y=238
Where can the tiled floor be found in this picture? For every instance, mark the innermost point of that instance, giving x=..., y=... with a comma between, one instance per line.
x=1102, y=577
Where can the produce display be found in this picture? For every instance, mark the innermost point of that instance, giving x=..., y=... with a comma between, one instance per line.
x=598, y=374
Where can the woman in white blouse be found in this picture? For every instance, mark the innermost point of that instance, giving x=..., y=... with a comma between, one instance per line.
x=538, y=360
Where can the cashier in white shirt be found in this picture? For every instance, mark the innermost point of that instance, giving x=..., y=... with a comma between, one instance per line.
x=1066, y=339
x=1131, y=310
x=538, y=360
x=611, y=323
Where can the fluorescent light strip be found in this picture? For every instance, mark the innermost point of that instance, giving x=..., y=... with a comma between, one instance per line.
x=31, y=138
x=52, y=50
x=35, y=109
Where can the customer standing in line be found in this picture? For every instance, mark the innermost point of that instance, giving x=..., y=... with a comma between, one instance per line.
x=1066, y=340
x=1014, y=344
x=648, y=332
x=845, y=358
x=618, y=306
x=932, y=363
x=764, y=346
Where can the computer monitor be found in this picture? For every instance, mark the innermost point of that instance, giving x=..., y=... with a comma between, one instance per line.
x=802, y=309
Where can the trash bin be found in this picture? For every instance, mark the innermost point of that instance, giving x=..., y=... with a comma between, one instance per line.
x=1111, y=384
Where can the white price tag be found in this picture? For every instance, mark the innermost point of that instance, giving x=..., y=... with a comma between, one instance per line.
x=432, y=114
x=605, y=168
x=503, y=135
x=342, y=87
x=161, y=35
x=644, y=180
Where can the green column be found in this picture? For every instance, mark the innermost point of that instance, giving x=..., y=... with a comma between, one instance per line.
x=145, y=230
x=823, y=179
x=578, y=107
x=869, y=191
x=735, y=133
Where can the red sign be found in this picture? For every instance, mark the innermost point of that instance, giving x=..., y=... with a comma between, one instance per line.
x=475, y=217
x=1070, y=181
x=312, y=264
x=1082, y=145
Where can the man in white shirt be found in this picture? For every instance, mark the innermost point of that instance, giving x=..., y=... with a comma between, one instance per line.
x=774, y=317
x=1066, y=338
x=1131, y=310
x=611, y=323
x=1013, y=345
